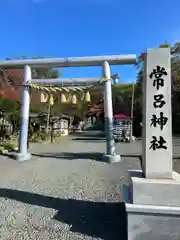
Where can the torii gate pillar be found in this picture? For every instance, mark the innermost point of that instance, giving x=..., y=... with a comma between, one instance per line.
x=23, y=154
x=110, y=155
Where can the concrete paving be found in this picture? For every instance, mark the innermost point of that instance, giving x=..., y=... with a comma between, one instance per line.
x=66, y=191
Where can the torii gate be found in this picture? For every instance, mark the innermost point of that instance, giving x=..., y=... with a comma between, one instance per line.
x=104, y=61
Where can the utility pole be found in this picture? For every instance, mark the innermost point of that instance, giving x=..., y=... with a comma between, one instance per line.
x=48, y=117
x=132, y=108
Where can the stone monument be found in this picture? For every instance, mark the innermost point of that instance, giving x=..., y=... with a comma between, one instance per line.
x=154, y=192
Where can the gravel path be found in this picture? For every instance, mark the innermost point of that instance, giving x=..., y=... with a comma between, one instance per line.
x=60, y=195
x=63, y=196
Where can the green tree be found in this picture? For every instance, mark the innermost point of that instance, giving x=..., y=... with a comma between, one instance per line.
x=12, y=78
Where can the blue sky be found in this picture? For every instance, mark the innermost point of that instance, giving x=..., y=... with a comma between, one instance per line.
x=67, y=28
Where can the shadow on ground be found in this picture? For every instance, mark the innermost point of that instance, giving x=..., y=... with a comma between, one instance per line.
x=96, y=134
x=96, y=219
x=89, y=139
x=72, y=156
x=90, y=136
x=138, y=156
x=95, y=156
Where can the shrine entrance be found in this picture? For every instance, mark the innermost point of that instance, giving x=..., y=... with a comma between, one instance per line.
x=103, y=61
